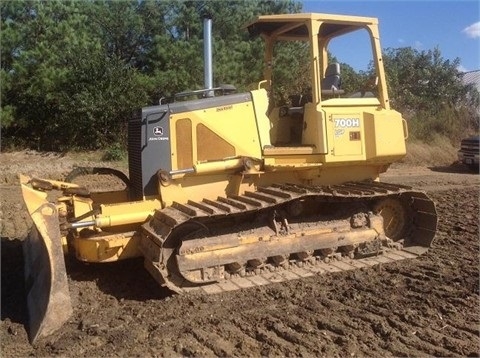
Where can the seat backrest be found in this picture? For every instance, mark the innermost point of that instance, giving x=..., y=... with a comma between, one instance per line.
x=332, y=79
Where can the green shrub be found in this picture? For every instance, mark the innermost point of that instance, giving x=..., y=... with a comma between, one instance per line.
x=115, y=152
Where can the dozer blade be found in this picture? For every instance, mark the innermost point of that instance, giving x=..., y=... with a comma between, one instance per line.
x=48, y=298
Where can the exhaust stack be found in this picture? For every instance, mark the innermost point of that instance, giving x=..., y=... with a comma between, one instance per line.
x=207, y=54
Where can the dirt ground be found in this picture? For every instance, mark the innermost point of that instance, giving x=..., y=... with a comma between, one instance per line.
x=423, y=307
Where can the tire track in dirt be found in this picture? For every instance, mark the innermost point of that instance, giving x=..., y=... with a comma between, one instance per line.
x=214, y=341
x=242, y=339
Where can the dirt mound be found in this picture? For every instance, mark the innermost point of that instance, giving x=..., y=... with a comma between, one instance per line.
x=14, y=220
x=427, y=306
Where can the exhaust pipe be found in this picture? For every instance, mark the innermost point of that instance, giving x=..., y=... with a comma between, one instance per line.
x=207, y=54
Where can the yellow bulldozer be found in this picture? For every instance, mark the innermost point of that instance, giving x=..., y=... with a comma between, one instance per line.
x=230, y=190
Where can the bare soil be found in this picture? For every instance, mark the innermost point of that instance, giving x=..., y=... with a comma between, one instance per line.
x=423, y=307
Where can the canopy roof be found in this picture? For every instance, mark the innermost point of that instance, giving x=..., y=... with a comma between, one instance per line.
x=293, y=26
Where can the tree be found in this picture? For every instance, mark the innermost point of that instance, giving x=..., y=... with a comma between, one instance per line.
x=428, y=90
x=423, y=80
x=62, y=89
x=177, y=61
x=73, y=71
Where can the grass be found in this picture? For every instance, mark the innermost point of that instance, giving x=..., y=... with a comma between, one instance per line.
x=439, y=152
x=101, y=158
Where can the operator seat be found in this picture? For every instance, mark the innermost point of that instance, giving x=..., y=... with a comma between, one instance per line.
x=332, y=81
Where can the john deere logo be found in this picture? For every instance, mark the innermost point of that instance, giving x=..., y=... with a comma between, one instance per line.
x=158, y=135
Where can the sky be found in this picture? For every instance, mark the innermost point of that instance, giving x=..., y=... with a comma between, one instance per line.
x=451, y=25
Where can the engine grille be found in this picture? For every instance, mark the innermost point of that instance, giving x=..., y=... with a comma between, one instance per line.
x=135, y=157
x=470, y=145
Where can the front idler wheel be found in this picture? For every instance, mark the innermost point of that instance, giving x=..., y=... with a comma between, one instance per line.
x=395, y=217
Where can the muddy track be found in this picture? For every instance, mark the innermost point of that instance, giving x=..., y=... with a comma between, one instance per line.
x=422, y=307
x=263, y=203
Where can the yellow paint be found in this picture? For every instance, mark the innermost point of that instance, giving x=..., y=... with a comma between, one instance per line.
x=260, y=105
x=235, y=124
x=107, y=248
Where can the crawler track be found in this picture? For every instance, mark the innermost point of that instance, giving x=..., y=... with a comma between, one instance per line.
x=180, y=236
